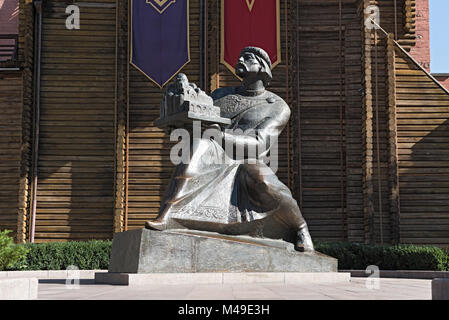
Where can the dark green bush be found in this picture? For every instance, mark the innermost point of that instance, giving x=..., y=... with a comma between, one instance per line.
x=95, y=254
x=86, y=255
x=387, y=257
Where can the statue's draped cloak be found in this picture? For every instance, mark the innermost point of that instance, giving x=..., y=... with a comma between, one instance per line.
x=216, y=191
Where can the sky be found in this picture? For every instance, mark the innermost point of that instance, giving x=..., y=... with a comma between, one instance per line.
x=439, y=36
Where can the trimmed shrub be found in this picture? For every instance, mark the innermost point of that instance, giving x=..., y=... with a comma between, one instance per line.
x=95, y=254
x=86, y=255
x=10, y=253
x=386, y=257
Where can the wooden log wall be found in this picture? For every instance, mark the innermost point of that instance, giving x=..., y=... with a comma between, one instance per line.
x=380, y=210
x=150, y=167
x=354, y=224
x=392, y=142
x=423, y=153
x=15, y=127
x=77, y=123
x=10, y=148
x=381, y=219
x=329, y=99
x=410, y=111
x=410, y=18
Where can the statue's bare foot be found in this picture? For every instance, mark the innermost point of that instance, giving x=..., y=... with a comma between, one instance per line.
x=156, y=225
x=304, y=241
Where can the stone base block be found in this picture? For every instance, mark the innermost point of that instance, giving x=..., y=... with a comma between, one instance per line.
x=149, y=251
x=50, y=274
x=18, y=289
x=148, y=279
x=406, y=274
x=440, y=289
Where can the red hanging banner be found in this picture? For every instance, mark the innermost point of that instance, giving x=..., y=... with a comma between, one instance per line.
x=249, y=23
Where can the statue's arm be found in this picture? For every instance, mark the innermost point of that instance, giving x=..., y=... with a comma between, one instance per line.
x=256, y=143
x=222, y=92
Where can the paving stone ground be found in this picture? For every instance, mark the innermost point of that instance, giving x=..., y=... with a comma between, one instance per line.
x=356, y=289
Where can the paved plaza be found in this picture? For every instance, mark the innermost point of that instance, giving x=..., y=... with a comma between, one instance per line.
x=356, y=289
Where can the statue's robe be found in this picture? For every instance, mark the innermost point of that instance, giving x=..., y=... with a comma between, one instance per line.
x=222, y=192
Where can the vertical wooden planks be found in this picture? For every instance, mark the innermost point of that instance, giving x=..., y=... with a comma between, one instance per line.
x=76, y=151
x=376, y=119
x=10, y=150
x=380, y=140
x=353, y=127
x=326, y=92
x=392, y=141
x=149, y=147
x=423, y=157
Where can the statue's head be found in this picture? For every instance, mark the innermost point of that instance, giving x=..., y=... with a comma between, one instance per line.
x=254, y=60
x=181, y=77
x=181, y=81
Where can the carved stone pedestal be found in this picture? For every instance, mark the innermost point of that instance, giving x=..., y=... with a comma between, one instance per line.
x=186, y=251
x=146, y=257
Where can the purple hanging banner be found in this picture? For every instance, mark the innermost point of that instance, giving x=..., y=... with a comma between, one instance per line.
x=160, y=38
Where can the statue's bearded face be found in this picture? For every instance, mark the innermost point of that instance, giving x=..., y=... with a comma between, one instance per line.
x=247, y=63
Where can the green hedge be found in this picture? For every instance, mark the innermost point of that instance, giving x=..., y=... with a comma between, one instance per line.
x=95, y=255
x=399, y=257
x=10, y=253
x=86, y=255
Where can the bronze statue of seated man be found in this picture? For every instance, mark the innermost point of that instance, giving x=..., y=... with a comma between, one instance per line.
x=237, y=193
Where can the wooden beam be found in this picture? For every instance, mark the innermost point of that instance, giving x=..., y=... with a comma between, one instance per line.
x=367, y=137
x=121, y=98
x=392, y=141
x=26, y=52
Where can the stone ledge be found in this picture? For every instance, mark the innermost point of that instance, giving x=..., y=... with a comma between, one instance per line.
x=406, y=274
x=440, y=289
x=18, y=289
x=47, y=274
x=135, y=279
